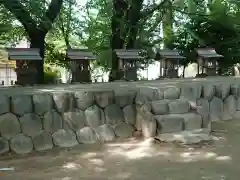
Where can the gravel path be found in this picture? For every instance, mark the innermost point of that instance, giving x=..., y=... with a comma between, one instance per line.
x=135, y=160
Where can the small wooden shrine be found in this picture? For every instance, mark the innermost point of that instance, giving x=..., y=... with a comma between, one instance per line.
x=207, y=59
x=80, y=64
x=25, y=64
x=169, y=62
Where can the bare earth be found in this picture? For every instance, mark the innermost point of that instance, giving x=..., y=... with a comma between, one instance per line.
x=135, y=160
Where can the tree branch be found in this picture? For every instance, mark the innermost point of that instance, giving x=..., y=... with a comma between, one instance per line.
x=21, y=14
x=50, y=15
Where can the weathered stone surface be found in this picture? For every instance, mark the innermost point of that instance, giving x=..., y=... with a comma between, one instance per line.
x=94, y=116
x=64, y=138
x=229, y=108
x=113, y=114
x=124, y=97
x=160, y=107
x=84, y=99
x=43, y=141
x=21, y=144
x=9, y=126
x=74, y=120
x=139, y=120
x=87, y=135
x=42, y=103
x=149, y=128
x=150, y=94
x=235, y=90
x=193, y=91
x=4, y=146
x=105, y=133
x=236, y=116
x=223, y=90
x=31, y=124
x=170, y=123
x=192, y=121
x=21, y=104
x=203, y=109
x=179, y=106
x=124, y=130
x=130, y=114
x=216, y=109
x=52, y=121
x=172, y=93
x=208, y=91
x=238, y=104
x=62, y=101
x=104, y=98
x=4, y=104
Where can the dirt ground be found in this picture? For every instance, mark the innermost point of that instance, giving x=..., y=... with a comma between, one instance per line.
x=135, y=160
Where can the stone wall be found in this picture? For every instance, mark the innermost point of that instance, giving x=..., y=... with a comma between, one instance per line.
x=37, y=120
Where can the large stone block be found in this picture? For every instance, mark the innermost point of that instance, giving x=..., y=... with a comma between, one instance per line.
x=9, y=126
x=216, y=109
x=31, y=124
x=149, y=128
x=87, y=135
x=130, y=114
x=223, y=90
x=42, y=103
x=84, y=99
x=235, y=90
x=193, y=91
x=172, y=93
x=94, y=116
x=21, y=104
x=139, y=120
x=238, y=104
x=170, y=123
x=52, y=121
x=124, y=97
x=105, y=133
x=229, y=108
x=208, y=91
x=63, y=101
x=74, y=120
x=42, y=141
x=21, y=144
x=104, y=98
x=203, y=108
x=4, y=104
x=179, y=106
x=124, y=130
x=150, y=94
x=160, y=107
x=113, y=114
x=192, y=121
x=4, y=146
x=64, y=138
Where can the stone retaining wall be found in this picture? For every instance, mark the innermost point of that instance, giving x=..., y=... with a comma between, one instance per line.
x=37, y=121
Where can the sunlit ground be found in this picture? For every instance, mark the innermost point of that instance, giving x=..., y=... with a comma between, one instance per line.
x=135, y=160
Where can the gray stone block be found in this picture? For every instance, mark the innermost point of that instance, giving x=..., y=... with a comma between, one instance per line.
x=84, y=99
x=208, y=91
x=170, y=123
x=229, y=108
x=75, y=120
x=238, y=104
x=52, y=121
x=223, y=90
x=94, y=116
x=172, y=93
x=193, y=91
x=87, y=135
x=160, y=107
x=31, y=124
x=124, y=130
x=203, y=108
x=105, y=133
x=4, y=104
x=21, y=104
x=64, y=138
x=216, y=109
x=42, y=103
x=234, y=90
x=150, y=94
x=130, y=114
x=42, y=141
x=149, y=128
x=9, y=126
x=179, y=106
x=104, y=98
x=124, y=97
x=62, y=101
x=192, y=121
x=113, y=114
x=21, y=144
x=139, y=120
x=4, y=146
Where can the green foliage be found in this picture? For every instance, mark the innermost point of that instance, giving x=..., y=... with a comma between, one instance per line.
x=50, y=76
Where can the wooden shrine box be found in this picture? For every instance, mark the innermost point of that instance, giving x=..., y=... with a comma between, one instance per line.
x=128, y=62
x=169, y=62
x=80, y=64
x=207, y=59
x=26, y=69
